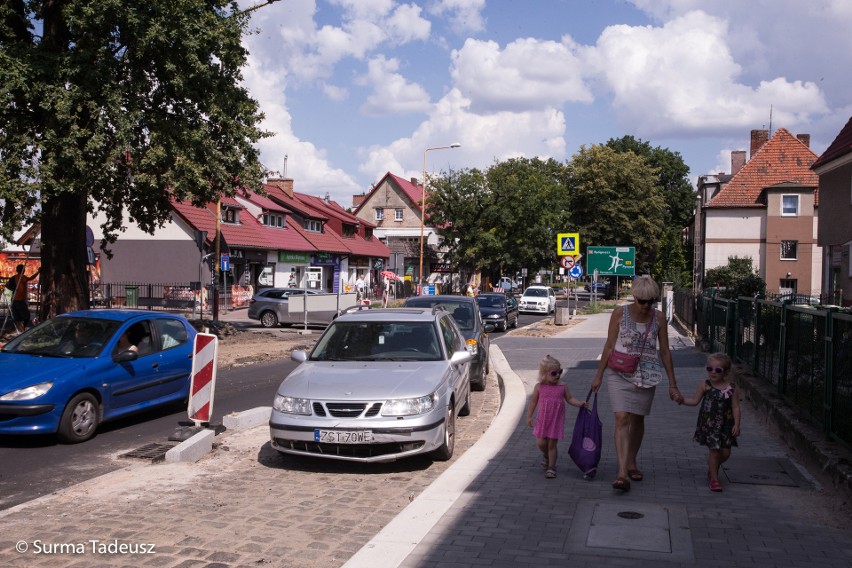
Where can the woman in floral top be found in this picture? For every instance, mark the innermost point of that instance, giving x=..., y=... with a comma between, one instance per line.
x=719, y=417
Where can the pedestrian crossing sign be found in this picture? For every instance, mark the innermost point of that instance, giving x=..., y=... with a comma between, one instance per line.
x=568, y=244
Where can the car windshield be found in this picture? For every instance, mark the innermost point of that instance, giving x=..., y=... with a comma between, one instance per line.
x=378, y=341
x=68, y=337
x=490, y=301
x=536, y=292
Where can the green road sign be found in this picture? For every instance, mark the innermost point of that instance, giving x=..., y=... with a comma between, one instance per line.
x=611, y=261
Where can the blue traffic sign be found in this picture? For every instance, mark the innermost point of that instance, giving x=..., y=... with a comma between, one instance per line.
x=226, y=263
x=576, y=271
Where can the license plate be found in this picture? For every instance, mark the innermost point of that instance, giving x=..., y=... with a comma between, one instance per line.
x=343, y=436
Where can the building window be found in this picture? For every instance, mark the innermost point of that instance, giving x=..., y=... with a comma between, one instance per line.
x=380, y=214
x=789, y=205
x=397, y=214
x=272, y=220
x=789, y=250
x=230, y=216
x=348, y=230
x=313, y=226
x=368, y=234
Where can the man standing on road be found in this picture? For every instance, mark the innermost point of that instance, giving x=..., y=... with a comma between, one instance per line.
x=19, y=286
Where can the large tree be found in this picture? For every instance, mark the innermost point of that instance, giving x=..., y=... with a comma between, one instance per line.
x=501, y=220
x=121, y=107
x=668, y=263
x=614, y=200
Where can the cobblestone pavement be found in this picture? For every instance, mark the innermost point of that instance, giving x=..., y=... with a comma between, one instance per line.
x=245, y=504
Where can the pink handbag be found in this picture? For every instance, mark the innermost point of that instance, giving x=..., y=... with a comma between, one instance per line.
x=624, y=362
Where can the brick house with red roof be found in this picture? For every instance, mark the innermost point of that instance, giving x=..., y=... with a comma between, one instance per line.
x=394, y=206
x=834, y=170
x=766, y=210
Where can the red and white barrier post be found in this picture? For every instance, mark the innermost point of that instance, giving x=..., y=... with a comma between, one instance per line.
x=203, y=382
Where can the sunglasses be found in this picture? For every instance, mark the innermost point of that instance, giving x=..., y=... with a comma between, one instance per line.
x=556, y=373
x=645, y=302
x=710, y=369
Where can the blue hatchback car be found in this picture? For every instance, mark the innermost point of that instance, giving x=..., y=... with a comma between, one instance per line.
x=72, y=372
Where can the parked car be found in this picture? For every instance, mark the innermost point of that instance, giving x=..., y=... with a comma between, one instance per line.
x=70, y=373
x=465, y=311
x=538, y=299
x=798, y=299
x=379, y=385
x=499, y=309
x=271, y=308
x=602, y=288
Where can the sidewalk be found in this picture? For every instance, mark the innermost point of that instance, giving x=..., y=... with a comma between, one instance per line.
x=771, y=513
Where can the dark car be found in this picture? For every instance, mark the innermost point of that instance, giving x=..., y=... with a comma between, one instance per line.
x=499, y=309
x=601, y=288
x=72, y=372
x=465, y=312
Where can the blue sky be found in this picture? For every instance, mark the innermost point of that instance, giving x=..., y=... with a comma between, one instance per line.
x=353, y=89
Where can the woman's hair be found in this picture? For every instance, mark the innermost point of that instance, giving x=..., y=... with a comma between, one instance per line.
x=723, y=360
x=546, y=365
x=644, y=288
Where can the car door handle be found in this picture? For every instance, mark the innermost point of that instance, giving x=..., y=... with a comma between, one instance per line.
x=155, y=365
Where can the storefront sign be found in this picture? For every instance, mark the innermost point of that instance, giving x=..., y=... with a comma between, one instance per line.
x=293, y=257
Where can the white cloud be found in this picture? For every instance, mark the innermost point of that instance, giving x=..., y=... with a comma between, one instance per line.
x=484, y=138
x=527, y=74
x=682, y=78
x=392, y=94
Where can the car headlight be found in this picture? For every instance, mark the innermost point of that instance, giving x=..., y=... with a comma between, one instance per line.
x=292, y=405
x=27, y=393
x=410, y=406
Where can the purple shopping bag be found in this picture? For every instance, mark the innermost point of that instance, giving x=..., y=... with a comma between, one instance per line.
x=585, y=447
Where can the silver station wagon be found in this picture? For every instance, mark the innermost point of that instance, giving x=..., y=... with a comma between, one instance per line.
x=379, y=385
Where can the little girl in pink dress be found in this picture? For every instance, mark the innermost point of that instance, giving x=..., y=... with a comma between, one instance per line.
x=550, y=396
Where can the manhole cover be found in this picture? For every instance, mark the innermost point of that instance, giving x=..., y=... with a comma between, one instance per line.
x=630, y=515
x=150, y=452
x=763, y=471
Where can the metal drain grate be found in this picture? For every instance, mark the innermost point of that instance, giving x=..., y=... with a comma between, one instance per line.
x=152, y=452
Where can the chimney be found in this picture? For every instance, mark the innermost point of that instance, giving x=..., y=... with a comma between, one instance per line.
x=758, y=139
x=414, y=181
x=358, y=199
x=738, y=160
x=284, y=184
x=804, y=139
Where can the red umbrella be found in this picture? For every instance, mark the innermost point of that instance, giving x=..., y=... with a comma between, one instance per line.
x=391, y=275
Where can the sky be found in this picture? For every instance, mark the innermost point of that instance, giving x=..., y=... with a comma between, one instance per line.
x=353, y=89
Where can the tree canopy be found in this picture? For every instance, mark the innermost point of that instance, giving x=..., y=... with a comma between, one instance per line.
x=118, y=107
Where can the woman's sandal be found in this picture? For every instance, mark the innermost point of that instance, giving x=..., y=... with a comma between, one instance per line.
x=621, y=484
x=550, y=473
x=635, y=474
x=715, y=485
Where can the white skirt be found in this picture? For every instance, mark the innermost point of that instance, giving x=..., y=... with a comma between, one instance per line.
x=624, y=396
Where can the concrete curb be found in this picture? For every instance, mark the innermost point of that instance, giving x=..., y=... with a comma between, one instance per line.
x=247, y=419
x=390, y=547
x=193, y=449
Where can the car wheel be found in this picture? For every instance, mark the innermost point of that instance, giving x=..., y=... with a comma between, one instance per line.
x=504, y=325
x=79, y=419
x=479, y=384
x=445, y=451
x=515, y=323
x=268, y=319
x=465, y=409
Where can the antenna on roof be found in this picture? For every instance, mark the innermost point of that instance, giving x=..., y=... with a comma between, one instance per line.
x=285, y=167
x=770, y=120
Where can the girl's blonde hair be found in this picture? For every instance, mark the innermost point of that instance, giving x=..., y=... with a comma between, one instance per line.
x=723, y=359
x=546, y=365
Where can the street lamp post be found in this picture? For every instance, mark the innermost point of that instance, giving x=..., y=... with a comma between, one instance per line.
x=423, y=208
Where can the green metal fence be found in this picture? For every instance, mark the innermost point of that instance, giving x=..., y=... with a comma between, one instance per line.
x=805, y=353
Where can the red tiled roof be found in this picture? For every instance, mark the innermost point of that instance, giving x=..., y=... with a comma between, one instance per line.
x=414, y=192
x=292, y=203
x=249, y=233
x=782, y=159
x=841, y=146
x=357, y=244
x=263, y=202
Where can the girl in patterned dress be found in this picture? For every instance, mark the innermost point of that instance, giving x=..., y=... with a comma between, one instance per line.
x=550, y=396
x=719, y=417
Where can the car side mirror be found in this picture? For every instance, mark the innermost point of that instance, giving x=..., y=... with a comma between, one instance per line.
x=461, y=357
x=299, y=356
x=125, y=356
